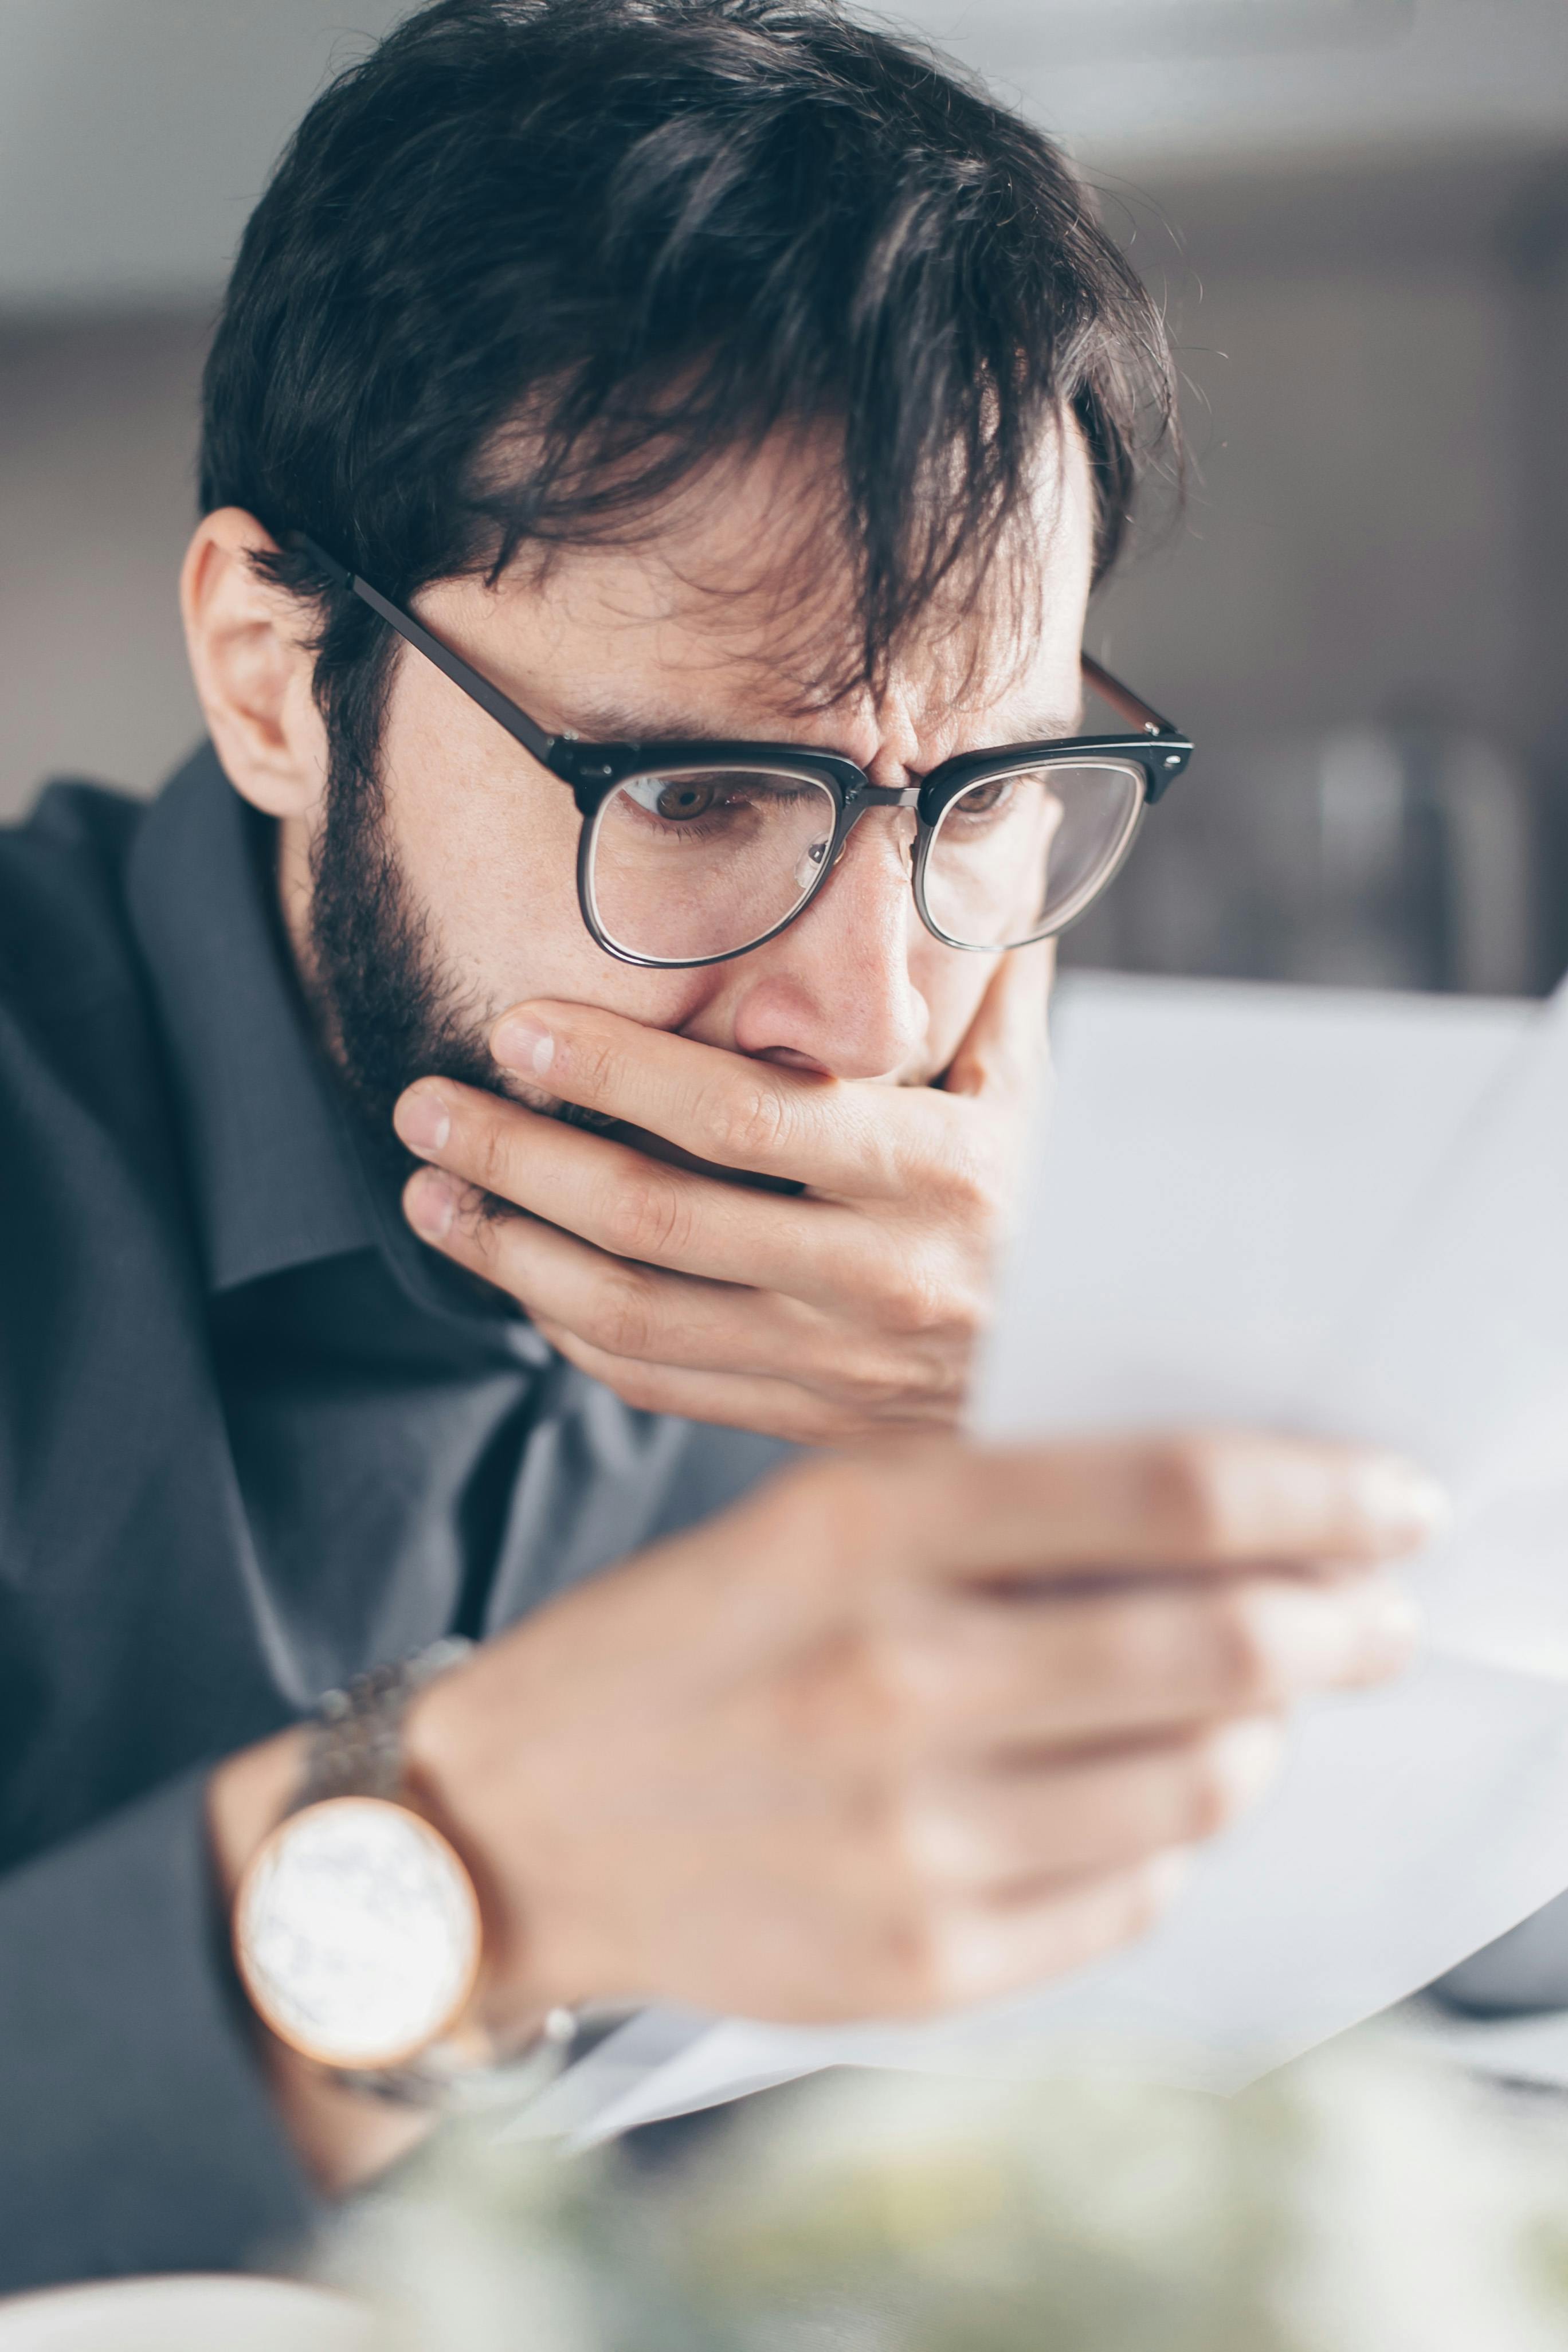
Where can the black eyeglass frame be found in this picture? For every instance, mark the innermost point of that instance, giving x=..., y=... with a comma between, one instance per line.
x=593, y=771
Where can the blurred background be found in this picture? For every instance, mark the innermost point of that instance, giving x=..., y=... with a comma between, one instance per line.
x=1355, y=215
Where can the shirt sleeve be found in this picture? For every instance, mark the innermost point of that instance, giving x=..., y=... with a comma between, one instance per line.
x=136, y=2132
x=1525, y=1969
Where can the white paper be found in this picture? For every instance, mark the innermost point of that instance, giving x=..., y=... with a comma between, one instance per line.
x=1311, y=1209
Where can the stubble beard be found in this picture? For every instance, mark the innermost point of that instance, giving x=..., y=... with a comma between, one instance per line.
x=387, y=1010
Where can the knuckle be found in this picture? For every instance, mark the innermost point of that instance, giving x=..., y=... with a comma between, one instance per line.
x=1118, y=1649
x=754, y=1124
x=881, y=1385
x=491, y=1146
x=1192, y=1494
x=625, y=1318
x=973, y=1190
x=924, y=1304
x=915, y=1295
x=844, y=1698
x=921, y=1685
x=595, y=1070
x=647, y=1216
x=895, y=1682
x=901, y=1686
x=933, y=1846
x=1248, y=1667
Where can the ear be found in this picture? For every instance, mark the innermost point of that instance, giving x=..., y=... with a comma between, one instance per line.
x=252, y=667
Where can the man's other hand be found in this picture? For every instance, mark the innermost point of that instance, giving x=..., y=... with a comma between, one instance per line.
x=846, y=1305
x=910, y=1728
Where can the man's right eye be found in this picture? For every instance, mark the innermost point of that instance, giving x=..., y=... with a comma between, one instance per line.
x=686, y=800
x=676, y=798
x=987, y=798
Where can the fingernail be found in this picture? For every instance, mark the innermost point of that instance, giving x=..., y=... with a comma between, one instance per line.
x=521, y=1043
x=1246, y=1757
x=1389, y=1622
x=1378, y=1631
x=430, y=1204
x=422, y=1120
x=1398, y=1498
x=1356, y=1631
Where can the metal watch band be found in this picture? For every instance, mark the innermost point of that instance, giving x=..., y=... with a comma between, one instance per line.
x=357, y=1751
x=357, y=1747
x=445, y=2082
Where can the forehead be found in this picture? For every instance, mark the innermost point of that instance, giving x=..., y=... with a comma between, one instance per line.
x=737, y=604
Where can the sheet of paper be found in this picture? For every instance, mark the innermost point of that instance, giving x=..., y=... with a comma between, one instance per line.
x=1311, y=1209
x=1461, y=1352
x=1229, y=1171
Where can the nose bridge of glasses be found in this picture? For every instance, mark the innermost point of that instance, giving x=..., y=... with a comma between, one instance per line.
x=862, y=799
x=868, y=796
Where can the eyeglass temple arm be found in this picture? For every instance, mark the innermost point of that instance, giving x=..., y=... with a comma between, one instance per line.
x=517, y=724
x=528, y=731
x=1122, y=699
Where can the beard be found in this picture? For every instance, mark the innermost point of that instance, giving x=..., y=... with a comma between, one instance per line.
x=388, y=1011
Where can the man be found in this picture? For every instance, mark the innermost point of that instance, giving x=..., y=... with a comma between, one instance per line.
x=553, y=1054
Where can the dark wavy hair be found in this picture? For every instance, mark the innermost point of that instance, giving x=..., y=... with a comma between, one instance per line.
x=530, y=265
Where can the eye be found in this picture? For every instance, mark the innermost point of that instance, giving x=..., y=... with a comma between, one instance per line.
x=984, y=799
x=687, y=798
x=676, y=798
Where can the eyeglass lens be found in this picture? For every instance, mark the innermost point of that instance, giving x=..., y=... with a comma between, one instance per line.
x=688, y=864
x=1017, y=855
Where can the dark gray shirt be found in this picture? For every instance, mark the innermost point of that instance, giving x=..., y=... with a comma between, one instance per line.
x=253, y=1438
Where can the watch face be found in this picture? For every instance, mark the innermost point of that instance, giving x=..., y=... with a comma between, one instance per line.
x=357, y=1933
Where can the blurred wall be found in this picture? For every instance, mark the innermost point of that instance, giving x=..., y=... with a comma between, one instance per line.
x=1373, y=339
x=97, y=438
x=1372, y=546
x=1353, y=541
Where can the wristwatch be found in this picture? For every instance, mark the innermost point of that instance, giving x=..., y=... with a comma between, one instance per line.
x=357, y=1932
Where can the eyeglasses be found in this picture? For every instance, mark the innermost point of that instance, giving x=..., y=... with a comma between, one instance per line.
x=694, y=852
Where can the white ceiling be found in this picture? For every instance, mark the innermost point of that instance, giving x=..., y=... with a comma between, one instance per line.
x=134, y=134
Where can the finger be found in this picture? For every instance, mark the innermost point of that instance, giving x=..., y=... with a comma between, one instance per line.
x=637, y=1313
x=978, y=1952
x=624, y=1311
x=728, y=1108
x=988, y=1832
x=768, y=1408
x=1005, y=1047
x=1216, y=1499
x=992, y=1679
x=630, y=1205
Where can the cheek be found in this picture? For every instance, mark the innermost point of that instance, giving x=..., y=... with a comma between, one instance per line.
x=487, y=843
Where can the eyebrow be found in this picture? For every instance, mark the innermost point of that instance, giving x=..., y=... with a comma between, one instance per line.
x=602, y=721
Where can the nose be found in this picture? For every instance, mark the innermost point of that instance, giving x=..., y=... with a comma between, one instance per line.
x=836, y=988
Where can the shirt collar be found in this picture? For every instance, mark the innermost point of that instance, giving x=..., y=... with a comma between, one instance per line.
x=283, y=1174
x=279, y=1179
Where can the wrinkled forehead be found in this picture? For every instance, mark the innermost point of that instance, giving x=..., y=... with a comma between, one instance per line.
x=741, y=595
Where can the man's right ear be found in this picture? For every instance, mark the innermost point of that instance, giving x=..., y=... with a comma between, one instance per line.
x=253, y=668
